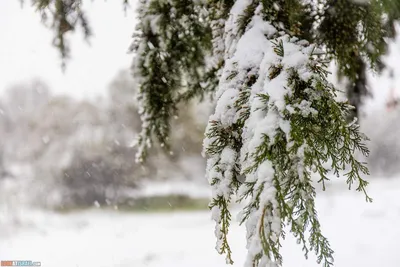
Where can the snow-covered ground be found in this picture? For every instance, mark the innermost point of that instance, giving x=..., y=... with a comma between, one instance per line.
x=362, y=235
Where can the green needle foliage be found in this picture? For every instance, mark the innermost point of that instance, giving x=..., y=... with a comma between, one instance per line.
x=171, y=45
x=278, y=125
x=62, y=16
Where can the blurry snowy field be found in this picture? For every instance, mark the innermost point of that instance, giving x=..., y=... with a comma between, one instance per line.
x=361, y=234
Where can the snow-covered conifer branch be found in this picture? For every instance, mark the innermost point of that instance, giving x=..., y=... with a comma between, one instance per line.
x=278, y=123
x=171, y=44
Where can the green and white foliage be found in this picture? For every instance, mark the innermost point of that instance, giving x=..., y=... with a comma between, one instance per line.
x=350, y=29
x=353, y=33
x=276, y=126
x=171, y=44
x=63, y=17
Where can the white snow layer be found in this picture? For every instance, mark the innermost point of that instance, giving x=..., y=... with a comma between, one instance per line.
x=362, y=235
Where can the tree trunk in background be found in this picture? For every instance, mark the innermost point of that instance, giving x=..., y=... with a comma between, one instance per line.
x=357, y=90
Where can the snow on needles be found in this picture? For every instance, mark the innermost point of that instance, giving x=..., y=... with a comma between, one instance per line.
x=256, y=83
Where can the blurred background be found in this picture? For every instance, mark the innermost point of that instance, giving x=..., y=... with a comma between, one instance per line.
x=72, y=195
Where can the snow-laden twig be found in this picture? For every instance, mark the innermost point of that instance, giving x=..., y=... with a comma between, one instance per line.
x=277, y=122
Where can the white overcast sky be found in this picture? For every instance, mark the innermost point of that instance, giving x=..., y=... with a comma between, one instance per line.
x=26, y=51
